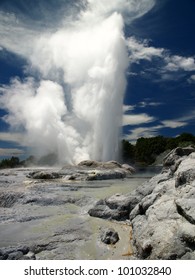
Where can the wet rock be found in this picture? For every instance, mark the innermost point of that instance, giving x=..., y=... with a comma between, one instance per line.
x=109, y=236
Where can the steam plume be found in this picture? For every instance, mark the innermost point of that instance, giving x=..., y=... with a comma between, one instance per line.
x=74, y=109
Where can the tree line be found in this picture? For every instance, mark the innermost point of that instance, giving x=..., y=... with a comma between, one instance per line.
x=145, y=150
x=10, y=163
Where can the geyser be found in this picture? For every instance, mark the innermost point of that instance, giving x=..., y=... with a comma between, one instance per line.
x=71, y=102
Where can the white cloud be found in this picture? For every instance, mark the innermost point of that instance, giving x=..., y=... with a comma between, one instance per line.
x=144, y=104
x=127, y=108
x=176, y=63
x=167, y=65
x=141, y=50
x=12, y=137
x=173, y=123
x=11, y=152
x=153, y=131
x=139, y=132
x=137, y=119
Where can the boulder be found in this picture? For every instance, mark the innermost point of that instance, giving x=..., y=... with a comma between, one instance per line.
x=109, y=236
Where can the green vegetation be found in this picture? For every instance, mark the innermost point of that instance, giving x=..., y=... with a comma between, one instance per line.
x=10, y=163
x=146, y=150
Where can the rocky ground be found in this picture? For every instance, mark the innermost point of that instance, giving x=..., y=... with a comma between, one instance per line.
x=74, y=213
x=161, y=211
x=44, y=212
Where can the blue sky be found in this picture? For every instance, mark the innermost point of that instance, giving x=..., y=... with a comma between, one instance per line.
x=160, y=94
x=162, y=86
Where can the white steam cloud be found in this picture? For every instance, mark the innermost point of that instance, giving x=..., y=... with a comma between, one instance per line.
x=75, y=108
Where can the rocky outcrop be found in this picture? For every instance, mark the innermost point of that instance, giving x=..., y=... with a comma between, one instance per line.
x=87, y=170
x=161, y=211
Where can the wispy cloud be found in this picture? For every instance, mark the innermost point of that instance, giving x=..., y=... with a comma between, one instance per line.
x=137, y=119
x=11, y=152
x=144, y=104
x=167, y=65
x=11, y=137
x=140, y=50
x=152, y=131
x=139, y=132
x=173, y=123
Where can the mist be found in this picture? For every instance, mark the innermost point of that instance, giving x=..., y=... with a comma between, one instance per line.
x=70, y=102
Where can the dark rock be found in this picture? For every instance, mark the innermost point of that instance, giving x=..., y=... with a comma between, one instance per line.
x=3, y=255
x=44, y=175
x=17, y=255
x=109, y=236
x=99, y=164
